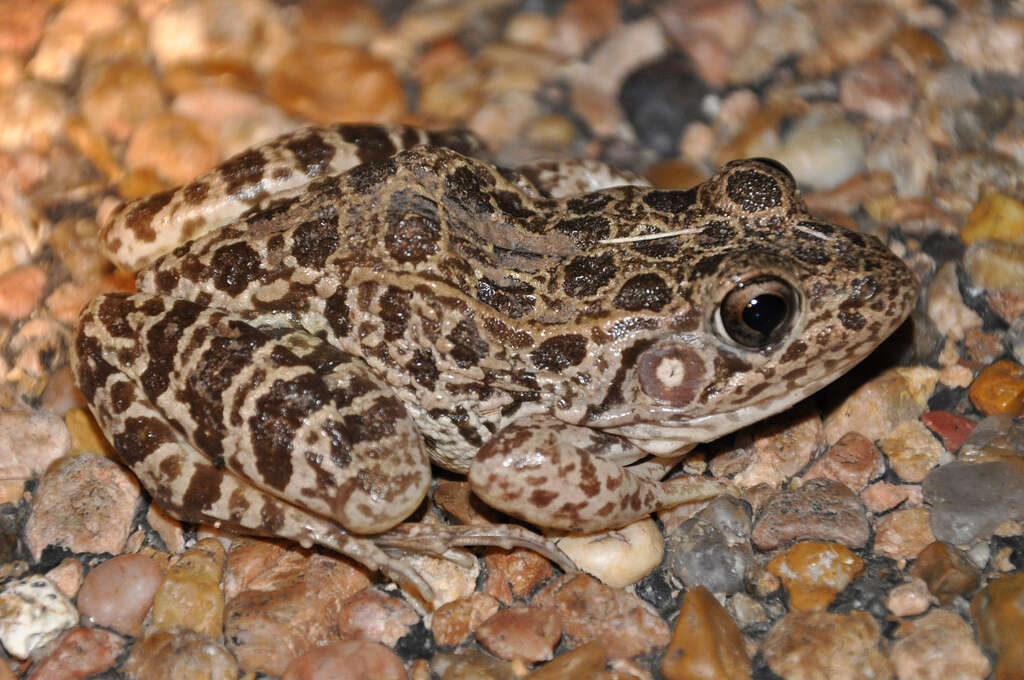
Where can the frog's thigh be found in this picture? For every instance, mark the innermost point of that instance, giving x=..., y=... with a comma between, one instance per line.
x=561, y=476
x=280, y=409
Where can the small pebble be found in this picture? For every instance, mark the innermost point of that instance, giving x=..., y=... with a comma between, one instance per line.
x=951, y=428
x=372, y=615
x=586, y=661
x=622, y=622
x=875, y=408
x=619, y=557
x=903, y=534
x=84, y=503
x=525, y=633
x=706, y=643
x=79, y=653
x=119, y=592
x=998, y=614
x=175, y=148
x=117, y=95
x=909, y=599
x=946, y=571
x=513, y=574
x=32, y=613
x=940, y=644
x=816, y=645
x=455, y=621
x=347, y=660
x=178, y=654
x=814, y=572
x=190, y=594
x=878, y=89
x=283, y=601
x=995, y=217
x=30, y=441
x=853, y=460
x=970, y=500
x=713, y=548
x=22, y=289
x=820, y=510
x=881, y=497
x=998, y=437
x=823, y=150
x=999, y=388
x=912, y=451
x=946, y=307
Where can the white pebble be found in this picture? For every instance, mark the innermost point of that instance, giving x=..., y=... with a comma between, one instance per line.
x=32, y=613
x=620, y=557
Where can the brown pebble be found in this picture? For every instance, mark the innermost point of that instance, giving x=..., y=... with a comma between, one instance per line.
x=190, y=595
x=80, y=653
x=372, y=615
x=814, y=572
x=119, y=592
x=525, y=633
x=622, y=622
x=347, y=660
x=952, y=429
x=854, y=460
x=822, y=509
x=455, y=621
x=20, y=291
x=817, y=645
x=706, y=643
x=180, y=653
x=903, y=534
x=940, y=644
x=513, y=574
x=586, y=661
x=998, y=613
x=999, y=388
x=946, y=571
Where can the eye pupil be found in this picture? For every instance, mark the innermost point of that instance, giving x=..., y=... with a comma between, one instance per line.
x=765, y=313
x=758, y=312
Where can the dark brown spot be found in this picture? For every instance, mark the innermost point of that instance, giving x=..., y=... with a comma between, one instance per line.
x=371, y=141
x=377, y=422
x=316, y=240
x=423, y=369
x=234, y=266
x=468, y=348
x=794, y=351
x=242, y=174
x=643, y=291
x=506, y=334
x=753, y=191
x=314, y=155
x=512, y=300
x=366, y=177
x=161, y=342
x=139, y=219
x=412, y=238
x=672, y=202
x=113, y=315
x=285, y=406
x=122, y=395
x=511, y=204
x=588, y=203
x=559, y=352
x=464, y=192
x=584, y=231
x=852, y=320
x=195, y=192
x=337, y=312
x=141, y=437
x=203, y=488
x=585, y=275
x=395, y=312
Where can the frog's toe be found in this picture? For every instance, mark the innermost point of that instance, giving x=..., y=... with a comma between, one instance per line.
x=439, y=539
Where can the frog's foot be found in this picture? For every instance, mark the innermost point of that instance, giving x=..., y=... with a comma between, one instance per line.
x=555, y=475
x=438, y=539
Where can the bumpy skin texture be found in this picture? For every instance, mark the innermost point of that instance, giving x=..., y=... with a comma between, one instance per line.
x=293, y=371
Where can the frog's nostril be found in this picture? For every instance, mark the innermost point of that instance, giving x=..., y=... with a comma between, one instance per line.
x=671, y=373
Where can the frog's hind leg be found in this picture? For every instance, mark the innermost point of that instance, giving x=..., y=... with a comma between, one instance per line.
x=562, y=476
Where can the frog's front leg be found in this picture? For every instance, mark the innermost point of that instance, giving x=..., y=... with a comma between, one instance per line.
x=562, y=476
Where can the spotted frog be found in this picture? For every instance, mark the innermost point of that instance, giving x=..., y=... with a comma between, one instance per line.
x=329, y=314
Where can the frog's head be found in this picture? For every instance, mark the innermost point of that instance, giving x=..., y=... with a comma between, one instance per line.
x=767, y=306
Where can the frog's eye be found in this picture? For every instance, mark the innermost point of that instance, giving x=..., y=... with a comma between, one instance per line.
x=757, y=312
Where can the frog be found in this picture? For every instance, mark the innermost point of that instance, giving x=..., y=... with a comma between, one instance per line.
x=326, y=319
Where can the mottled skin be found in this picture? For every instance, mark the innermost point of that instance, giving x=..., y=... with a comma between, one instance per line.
x=294, y=371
